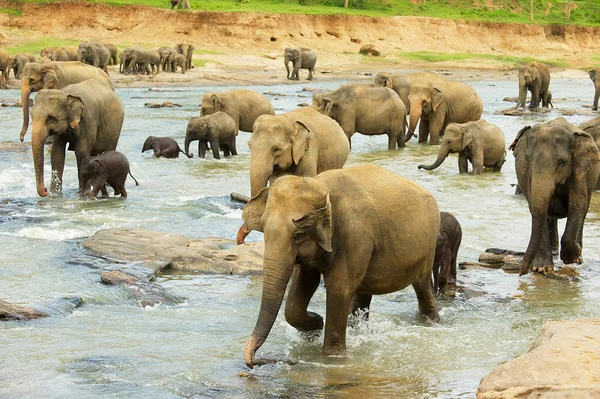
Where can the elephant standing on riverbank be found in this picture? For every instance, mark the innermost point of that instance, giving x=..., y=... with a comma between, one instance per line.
x=164, y=53
x=440, y=104
x=217, y=129
x=177, y=60
x=187, y=50
x=366, y=109
x=401, y=83
x=95, y=54
x=301, y=58
x=354, y=227
x=534, y=77
x=87, y=116
x=479, y=142
x=244, y=106
x=557, y=167
x=55, y=75
x=595, y=77
x=113, y=52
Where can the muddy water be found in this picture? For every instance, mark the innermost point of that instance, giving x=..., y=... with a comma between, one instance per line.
x=111, y=347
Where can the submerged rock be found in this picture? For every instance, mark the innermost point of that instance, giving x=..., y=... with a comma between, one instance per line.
x=146, y=293
x=10, y=311
x=166, y=104
x=562, y=362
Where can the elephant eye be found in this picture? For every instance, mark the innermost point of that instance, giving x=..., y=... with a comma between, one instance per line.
x=299, y=236
x=276, y=150
x=562, y=162
x=50, y=119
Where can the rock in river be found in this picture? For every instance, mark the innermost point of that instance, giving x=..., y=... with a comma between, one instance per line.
x=10, y=311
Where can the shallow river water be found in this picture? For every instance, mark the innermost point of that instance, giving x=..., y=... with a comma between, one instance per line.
x=111, y=347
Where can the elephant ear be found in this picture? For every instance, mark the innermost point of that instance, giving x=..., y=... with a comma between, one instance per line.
x=466, y=136
x=327, y=105
x=254, y=210
x=98, y=166
x=592, y=73
x=387, y=82
x=436, y=99
x=585, y=153
x=50, y=79
x=295, y=54
x=513, y=145
x=216, y=102
x=535, y=74
x=300, y=141
x=318, y=225
x=74, y=110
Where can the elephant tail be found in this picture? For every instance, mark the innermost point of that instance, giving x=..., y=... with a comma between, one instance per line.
x=136, y=182
x=187, y=155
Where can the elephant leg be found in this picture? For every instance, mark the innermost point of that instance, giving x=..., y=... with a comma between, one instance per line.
x=232, y=147
x=463, y=163
x=57, y=162
x=498, y=166
x=543, y=259
x=360, y=308
x=104, y=191
x=304, y=284
x=214, y=145
x=423, y=131
x=225, y=150
x=202, y=146
x=477, y=162
x=310, y=73
x=553, y=235
x=596, y=97
x=427, y=305
x=436, y=127
x=392, y=139
x=336, y=323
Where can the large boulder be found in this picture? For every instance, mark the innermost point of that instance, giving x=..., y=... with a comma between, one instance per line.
x=562, y=362
x=10, y=311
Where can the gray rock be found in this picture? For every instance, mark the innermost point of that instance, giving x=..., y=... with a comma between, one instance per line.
x=166, y=104
x=146, y=293
x=369, y=49
x=10, y=311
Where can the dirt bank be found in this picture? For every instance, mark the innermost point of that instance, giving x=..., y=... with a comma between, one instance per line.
x=248, y=47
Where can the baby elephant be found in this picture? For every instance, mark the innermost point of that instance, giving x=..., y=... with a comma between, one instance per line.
x=110, y=167
x=218, y=129
x=446, y=250
x=163, y=147
x=479, y=142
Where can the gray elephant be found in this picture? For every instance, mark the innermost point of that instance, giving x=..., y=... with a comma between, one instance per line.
x=557, y=167
x=440, y=104
x=354, y=227
x=217, y=129
x=244, y=106
x=113, y=51
x=595, y=77
x=177, y=60
x=154, y=61
x=87, y=116
x=592, y=127
x=480, y=143
x=95, y=54
x=164, y=53
x=54, y=75
x=19, y=61
x=164, y=147
x=63, y=53
x=187, y=50
x=301, y=58
x=5, y=65
x=446, y=252
x=401, y=83
x=110, y=167
x=534, y=77
x=366, y=109
x=135, y=60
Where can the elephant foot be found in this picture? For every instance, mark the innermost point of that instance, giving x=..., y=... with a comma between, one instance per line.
x=542, y=269
x=338, y=349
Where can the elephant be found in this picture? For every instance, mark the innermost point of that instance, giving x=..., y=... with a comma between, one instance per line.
x=367, y=109
x=439, y=104
x=154, y=61
x=595, y=77
x=174, y=3
x=592, y=127
x=55, y=75
x=352, y=226
x=480, y=143
x=401, y=83
x=244, y=106
x=534, y=77
x=187, y=50
x=64, y=53
x=95, y=54
x=217, y=129
x=113, y=51
x=18, y=63
x=135, y=60
x=177, y=60
x=163, y=147
x=125, y=59
x=557, y=168
x=164, y=53
x=446, y=252
x=301, y=58
x=87, y=116
x=5, y=65
x=110, y=167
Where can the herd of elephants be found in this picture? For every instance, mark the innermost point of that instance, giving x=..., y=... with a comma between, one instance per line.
x=344, y=224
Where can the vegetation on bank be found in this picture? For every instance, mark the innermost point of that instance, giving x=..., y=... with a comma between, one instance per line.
x=583, y=12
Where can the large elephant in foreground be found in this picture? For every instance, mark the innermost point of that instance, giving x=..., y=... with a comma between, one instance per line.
x=55, y=75
x=366, y=109
x=87, y=116
x=557, y=168
x=401, y=83
x=440, y=104
x=353, y=226
x=534, y=77
x=244, y=106
x=301, y=142
x=595, y=76
x=592, y=127
x=479, y=142
x=301, y=58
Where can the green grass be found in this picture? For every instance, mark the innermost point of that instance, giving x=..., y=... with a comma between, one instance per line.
x=428, y=56
x=587, y=13
x=36, y=45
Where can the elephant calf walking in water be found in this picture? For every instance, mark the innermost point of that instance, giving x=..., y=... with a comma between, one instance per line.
x=446, y=252
x=164, y=147
x=480, y=143
x=110, y=167
x=217, y=129
x=354, y=227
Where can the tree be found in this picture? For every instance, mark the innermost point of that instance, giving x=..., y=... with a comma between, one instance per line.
x=531, y=10
x=186, y=4
x=345, y=3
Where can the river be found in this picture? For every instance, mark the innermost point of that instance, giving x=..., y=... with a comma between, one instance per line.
x=111, y=347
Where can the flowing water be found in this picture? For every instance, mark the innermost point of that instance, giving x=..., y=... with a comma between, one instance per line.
x=112, y=347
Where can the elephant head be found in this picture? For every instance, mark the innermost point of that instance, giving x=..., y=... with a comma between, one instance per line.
x=277, y=145
x=456, y=138
x=290, y=54
x=54, y=113
x=385, y=80
x=593, y=73
x=295, y=215
x=90, y=168
x=323, y=103
x=85, y=53
x=547, y=156
x=211, y=104
x=424, y=99
x=148, y=143
x=35, y=77
x=197, y=130
x=529, y=77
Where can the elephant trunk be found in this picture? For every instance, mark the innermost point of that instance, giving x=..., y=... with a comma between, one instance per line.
x=287, y=67
x=540, y=194
x=442, y=154
x=415, y=113
x=276, y=277
x=261, y=169
x=25, y=92
x=188, y=140
x=39, y=136
x=522, y=94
